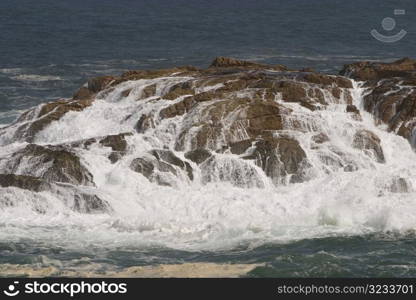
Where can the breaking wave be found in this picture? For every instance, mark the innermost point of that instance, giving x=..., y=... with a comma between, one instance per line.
x=224, y=212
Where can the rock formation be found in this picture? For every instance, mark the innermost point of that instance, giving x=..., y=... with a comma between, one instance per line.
x=236, y=121
x=391, y=93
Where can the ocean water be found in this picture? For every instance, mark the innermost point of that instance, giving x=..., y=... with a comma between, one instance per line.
x=50, y=48
x=341, y=224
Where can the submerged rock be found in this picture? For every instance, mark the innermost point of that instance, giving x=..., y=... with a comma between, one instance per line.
x=354, y=111
x=24, y=182
x=226, y=121
x=85, y=203
x=391, y=94
x=160, y=166
x=400, y=185
x=198, y=156
x=282, y=159
x=178, y=90
x=81, y=201
x=51, y=163
x=374, y=71
x=150, y=74
x=176, y=109
x=94, y=85
x=320, y=138
x=227, y=169
x=370, y=143
x=238, y=121
x=227, y=62
x=117, y=143
x=166, y=156
x=77, y=200
x=48, y=113
x=233, y=102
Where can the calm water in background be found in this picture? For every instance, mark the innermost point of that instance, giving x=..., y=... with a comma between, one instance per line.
x=49, y=48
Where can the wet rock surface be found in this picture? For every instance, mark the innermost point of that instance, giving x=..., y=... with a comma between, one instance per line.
x=280, y=158
x=234, y=121
x=117, y=143
x=198, y=156
x=23, y=182
x=391, y=94
x=36, y=120
x=370, y=143
x=74, y=198
x=160, y=165
x=375, y=71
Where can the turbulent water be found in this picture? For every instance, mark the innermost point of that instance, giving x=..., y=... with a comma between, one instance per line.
x=335, y=224
x=233, y=219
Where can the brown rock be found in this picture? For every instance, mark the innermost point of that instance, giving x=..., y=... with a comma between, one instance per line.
x=291, y=91
x=376, y=71
x=399, y=185
x=160, y=161
x=82, y=202
x=151, y=74
x=180, y=89
x=394, y=105
x=49, y=112
x=370, y=143
x=58, y=165
x=145, y=122
x=117, y=143
x=90, y=204
x=97, y=84
x=94, y=86
x=198, y=156
x=24, y=182
x=142, y=166
x=280, y=158
x=248, y=118
x=320, y=138
x=149, y=91
x=227, y=62
x=82, y=94
x=328, y=80
x=166, y=156
x=178, y=108
x=222, y=169
x=352, y=109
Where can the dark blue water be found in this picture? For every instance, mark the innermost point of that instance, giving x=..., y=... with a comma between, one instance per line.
x=50, y=47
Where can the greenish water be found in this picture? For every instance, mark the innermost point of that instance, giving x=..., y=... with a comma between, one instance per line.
x=375, y=255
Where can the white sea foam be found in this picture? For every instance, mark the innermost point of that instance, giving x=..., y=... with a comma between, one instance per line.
x=220, y=214
x=34, y=77
x=11, y=70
